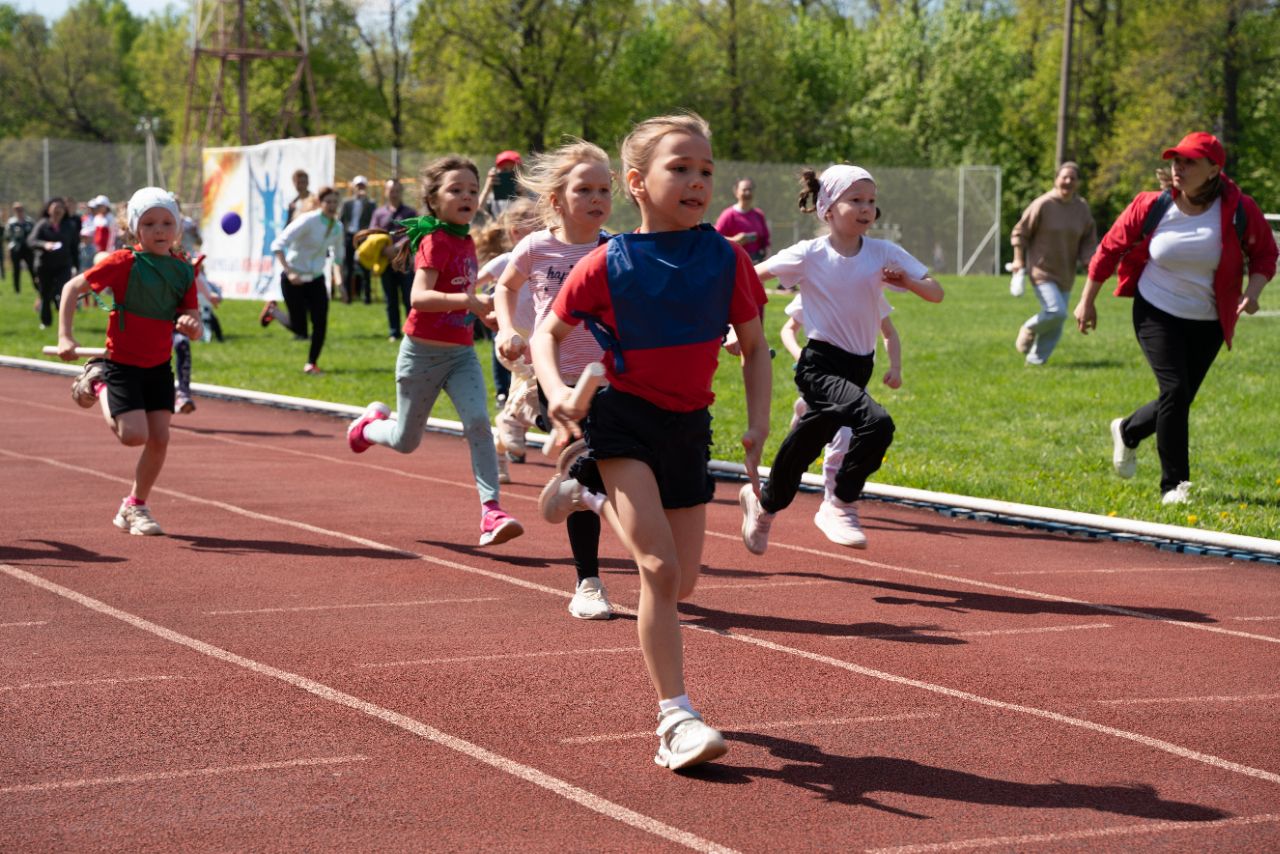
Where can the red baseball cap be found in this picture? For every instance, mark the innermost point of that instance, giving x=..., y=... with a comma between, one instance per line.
x=507, y=157
x=1199, y=144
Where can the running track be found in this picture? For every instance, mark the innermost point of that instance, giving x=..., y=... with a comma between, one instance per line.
x=318, y=657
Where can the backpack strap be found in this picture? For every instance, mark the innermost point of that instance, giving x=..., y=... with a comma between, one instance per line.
x=1158, y=209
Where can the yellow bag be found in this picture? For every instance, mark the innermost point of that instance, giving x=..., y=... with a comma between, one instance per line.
x=370, y=252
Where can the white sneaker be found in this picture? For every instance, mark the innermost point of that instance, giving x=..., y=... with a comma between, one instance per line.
x=684, y=740
x=1124, y=458
x=136, y=519
x=755, y=521
x=504, y=469
x=1026, y=338
x=589, y=602
x=839, y=521
x=560, y=497
x=1180, y=494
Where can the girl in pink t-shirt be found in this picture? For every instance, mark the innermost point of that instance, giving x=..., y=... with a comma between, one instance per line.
x=437, y=350
x=574, y=187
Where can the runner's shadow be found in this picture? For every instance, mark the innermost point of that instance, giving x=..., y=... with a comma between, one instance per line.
x=266, y=434
x=717, y=620
x=55, y=550
x=519, y=559
x=243, y=546
x=855, y=780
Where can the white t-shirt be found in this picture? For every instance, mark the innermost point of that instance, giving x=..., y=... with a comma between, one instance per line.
x=1185, y=251
x=843, y=296
x=547, y=262
x=490, y=273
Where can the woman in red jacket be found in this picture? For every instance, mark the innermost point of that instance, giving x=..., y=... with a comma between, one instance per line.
x=1184, y=269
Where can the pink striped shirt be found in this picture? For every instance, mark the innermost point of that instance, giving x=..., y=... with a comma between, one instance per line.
x=546, y=263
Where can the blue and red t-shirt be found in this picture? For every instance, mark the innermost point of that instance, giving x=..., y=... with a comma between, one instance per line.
x=666, y=299
x=143, y=342
x=454, y=260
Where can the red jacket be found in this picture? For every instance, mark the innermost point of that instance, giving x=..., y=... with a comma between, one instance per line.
x=1125, y=248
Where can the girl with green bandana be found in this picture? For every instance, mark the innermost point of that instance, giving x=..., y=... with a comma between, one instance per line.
x=437, y=351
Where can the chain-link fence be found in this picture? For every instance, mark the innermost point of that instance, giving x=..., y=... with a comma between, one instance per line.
x=947, y=218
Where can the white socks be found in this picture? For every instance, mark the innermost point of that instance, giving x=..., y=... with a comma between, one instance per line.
x=681, y=702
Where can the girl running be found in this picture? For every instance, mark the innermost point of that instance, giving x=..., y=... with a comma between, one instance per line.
x=844, y=275
x=145, y=288
x=661, y=298
x=437, y=351
x=574, y=187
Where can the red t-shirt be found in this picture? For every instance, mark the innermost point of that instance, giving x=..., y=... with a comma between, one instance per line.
x=144, y=342
x=676, y=378
x=454, y=259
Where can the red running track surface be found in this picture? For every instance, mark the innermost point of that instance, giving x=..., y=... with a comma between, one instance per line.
x=319, y=657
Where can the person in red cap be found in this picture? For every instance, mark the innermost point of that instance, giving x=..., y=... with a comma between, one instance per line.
x=1182, y=255
x=500, y=185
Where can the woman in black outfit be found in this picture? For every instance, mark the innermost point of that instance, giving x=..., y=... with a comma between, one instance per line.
x=56, y=242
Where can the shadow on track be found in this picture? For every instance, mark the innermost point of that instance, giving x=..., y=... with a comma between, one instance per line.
x=853, y=780
x=242, y=546
x=56, y=551
x=711, y=618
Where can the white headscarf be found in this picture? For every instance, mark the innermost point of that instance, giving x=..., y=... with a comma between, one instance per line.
x=148, y=198
x=835, y=181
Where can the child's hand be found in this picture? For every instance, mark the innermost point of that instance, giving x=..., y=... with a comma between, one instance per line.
x=731, y=343
x=893, y=378
x=753, y=447
x=293, y=277
x=564, y=415
x=894, y=275
x=511, y=345
x=188, y=326
x=67, y=348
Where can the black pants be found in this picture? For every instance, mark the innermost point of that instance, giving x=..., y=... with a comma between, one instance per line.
x=396, y=287
x=308, y=299
x=50, y=281
x=1180, y=353
x=355, y=278
x=833, y=383
x=583, y=528
x=18, y=257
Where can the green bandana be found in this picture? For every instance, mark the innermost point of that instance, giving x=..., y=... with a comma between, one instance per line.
x=419, y=227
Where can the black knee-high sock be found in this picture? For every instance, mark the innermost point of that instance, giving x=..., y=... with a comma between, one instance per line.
x=584, y=542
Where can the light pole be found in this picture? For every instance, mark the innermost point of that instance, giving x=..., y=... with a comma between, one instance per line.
x=148, y=125
x=1064, y=82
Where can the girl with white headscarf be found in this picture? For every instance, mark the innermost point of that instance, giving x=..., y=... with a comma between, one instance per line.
x=842, y=276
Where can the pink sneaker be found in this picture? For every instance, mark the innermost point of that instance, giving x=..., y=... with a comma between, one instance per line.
x=355, y=433
x=497, y=527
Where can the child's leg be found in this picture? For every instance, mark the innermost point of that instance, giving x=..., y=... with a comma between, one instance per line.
x=182, y=350
x=318, y=309
x=465, y=387
x=801, y=446
x=870, y=437
x=154, y=451
x=648, y=535
x=420, y=374
x=584, y=543
x=832, y=459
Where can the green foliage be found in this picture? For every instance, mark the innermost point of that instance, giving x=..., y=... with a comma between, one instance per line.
x=971, y=418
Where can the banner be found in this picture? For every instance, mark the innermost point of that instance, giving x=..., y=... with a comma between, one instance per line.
x=246, y=194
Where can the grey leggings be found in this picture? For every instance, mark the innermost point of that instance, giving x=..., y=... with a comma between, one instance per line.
x=422, y=370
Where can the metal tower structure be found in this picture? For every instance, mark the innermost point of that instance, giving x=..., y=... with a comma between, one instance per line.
x=220, y=34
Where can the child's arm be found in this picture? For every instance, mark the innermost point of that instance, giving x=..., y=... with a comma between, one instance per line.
x=506, y=294
x=189, y=324
x=927, y=287
x=763, y=271
x=757, y=375
x=71, y=293
x=789, y=339
x=425, y=297
x=892, y=344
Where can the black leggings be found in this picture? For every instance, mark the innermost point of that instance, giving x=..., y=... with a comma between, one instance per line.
x=309, y=298
x=17, y=258
x=833, y=383
x=1180, y=353
x=50, y=282
x=583, y=528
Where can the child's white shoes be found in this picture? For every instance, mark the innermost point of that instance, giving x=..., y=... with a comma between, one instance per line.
x=684, y=740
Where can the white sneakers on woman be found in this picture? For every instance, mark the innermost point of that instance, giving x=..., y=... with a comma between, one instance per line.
x=1124, y=458
x=1180, y=494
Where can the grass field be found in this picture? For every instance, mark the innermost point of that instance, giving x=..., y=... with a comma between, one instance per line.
x=971, y=418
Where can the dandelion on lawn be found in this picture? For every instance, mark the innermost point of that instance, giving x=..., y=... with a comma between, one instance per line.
x=1224, y=515
x=1244, y=506
x=1112, y=513
x=1192, y=519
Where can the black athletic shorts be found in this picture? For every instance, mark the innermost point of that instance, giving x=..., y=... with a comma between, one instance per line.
x=129, y=387
x=675, y=445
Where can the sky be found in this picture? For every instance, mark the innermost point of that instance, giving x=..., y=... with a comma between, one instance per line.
x=54, y=9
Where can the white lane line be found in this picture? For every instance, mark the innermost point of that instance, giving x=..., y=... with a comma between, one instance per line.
x=528, y=773
x=76, y=683
x=1140, y=701
x=1156, y=744
x=1122, y=570
x=981, y=633
x=1016, y=842
x=17, y=625
x=355, y=605
x=584, y=652
x=1031, y=594
x=178, y=775
x=747, y=585
x=755, y=727
x=1255, y=619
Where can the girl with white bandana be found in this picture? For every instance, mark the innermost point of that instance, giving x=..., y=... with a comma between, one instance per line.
x=842, y=276
x=150, y=291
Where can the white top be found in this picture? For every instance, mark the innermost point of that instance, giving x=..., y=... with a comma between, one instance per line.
x=843, y=296
x=795, y=309
x=1185, y=251
x=491, y=272
x=307, y=241
x=547, y=262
